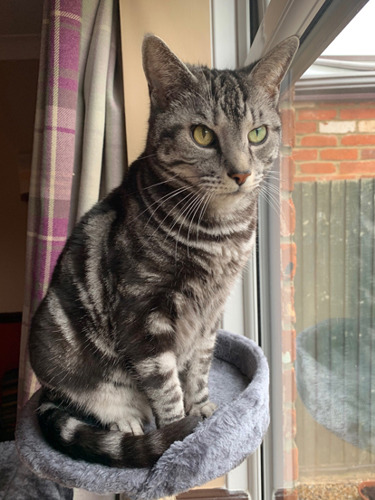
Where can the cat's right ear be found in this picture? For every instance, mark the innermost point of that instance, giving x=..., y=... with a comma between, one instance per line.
x=166, y=74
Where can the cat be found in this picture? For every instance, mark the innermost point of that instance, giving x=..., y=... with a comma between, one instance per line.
x=127, y=328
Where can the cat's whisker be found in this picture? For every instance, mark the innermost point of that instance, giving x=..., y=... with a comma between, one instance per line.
x=184, y=214
x=147, y=156
x=181, y=214
x=160, y=202
x=274, y=194
x=209, y=195
x=197, y=207
x=166, y=181
x=169, y=181
x=190, y=194
x=272, y=201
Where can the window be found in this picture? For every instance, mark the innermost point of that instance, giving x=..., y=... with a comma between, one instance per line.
x=316, y=260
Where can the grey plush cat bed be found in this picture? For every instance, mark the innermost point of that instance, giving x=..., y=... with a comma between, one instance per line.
x=335, y=378
x=238, y=384
x=17, y=482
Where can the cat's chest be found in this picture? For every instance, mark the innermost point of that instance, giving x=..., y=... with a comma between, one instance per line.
x=200, y=304
x=231, y=258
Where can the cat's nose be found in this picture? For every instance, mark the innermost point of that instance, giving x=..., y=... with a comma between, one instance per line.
x=240, y=177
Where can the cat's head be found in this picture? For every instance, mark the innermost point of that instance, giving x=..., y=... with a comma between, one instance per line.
x=219, y=130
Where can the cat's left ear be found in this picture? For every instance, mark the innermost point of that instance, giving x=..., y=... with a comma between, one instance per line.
x=166, y=74
x=271, y=69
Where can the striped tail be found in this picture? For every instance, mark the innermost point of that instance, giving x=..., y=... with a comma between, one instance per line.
x=113, y=448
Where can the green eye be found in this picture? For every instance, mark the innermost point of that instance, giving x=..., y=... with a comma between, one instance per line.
x=203, y=135
x=257, y=135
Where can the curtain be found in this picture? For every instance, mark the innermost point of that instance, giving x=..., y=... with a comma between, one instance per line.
x=79, y=139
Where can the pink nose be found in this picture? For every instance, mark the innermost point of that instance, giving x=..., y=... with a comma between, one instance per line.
x=240, y=178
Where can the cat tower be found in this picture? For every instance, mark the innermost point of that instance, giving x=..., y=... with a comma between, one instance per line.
x=238, y=384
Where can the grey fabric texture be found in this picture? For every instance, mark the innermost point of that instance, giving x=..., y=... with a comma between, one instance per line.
x=238, y=384
x=17, y=482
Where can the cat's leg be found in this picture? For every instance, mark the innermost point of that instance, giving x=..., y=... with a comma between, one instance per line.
x=158, y=377
x=195, y=378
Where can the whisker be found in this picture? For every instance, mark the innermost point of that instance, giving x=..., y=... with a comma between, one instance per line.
x=197, y=207
x=146, y=156
x=171, y=210
x=160, y=202
x=185, y=213
x=209, y=196
x=168, y=180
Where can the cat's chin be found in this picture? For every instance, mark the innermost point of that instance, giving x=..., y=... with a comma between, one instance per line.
x=228, y=203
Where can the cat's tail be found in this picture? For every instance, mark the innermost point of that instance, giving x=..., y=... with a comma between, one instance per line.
x=84, y=441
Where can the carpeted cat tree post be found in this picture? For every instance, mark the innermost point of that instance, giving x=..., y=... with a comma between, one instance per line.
x=239, y=385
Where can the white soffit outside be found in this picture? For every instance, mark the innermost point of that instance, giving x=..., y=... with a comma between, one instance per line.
x=348, y=63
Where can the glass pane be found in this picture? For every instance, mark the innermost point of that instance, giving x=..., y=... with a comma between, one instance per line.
x=328, y=265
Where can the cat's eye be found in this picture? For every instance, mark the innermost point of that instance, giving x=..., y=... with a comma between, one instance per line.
x=257, y=135
x=203, y=136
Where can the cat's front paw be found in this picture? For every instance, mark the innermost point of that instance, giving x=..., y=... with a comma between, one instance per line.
x=204, y=410
x=129, y=426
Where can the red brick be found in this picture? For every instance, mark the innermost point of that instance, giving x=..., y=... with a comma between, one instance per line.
x=290, y=423
x=358, y=140
x=287, y=173
x=288, y=127
x=305, y=178
x=331, y=177
x=288, y=311
x=318, y=167
x=319, y=140
x=368, y=154
x=339, y=154
x=357, y=167
x=317, y=114
x=288, y=260
x=291, y=465
x=287, y=217
x=289, y=386
x=365, y=104
x=305, y=154
x=288, y=342
x=305, y=127
x=288, y=116
x=357, y=114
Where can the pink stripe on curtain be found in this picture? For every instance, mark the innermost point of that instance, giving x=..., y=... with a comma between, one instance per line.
x=53, y=161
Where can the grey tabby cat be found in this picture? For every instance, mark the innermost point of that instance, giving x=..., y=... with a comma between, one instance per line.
x=127, y=328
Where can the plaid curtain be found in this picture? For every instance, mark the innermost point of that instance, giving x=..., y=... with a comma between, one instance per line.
x=79, y=139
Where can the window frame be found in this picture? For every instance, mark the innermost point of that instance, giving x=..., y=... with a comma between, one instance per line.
x=317, y=24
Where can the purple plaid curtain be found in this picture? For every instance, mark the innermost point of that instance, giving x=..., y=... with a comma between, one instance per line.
x=79, y=139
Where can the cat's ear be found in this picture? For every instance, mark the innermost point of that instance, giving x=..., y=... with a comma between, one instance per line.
x=271, y=69
x=167, y=76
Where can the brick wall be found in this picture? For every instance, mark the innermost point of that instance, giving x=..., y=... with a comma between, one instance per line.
x=321, y=141
x=334, y=140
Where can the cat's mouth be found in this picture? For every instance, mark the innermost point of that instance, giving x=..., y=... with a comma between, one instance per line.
x=240, y=190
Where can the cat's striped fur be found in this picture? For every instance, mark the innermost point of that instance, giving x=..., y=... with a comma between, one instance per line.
x=127, y=328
